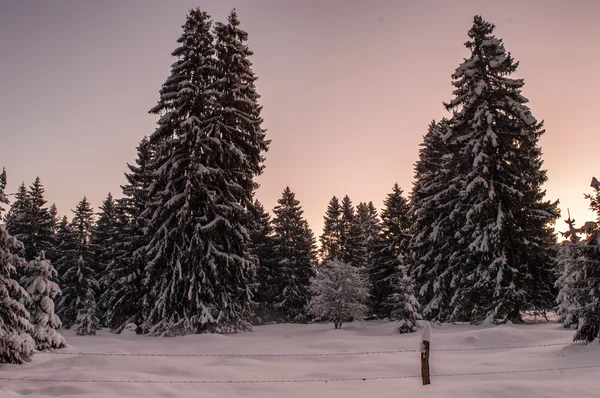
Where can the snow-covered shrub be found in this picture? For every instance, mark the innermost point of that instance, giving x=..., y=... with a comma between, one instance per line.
x=42, y=291
x=340, y=293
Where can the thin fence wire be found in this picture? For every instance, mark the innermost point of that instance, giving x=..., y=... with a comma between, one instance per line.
x=357, y=353
x=346, y=379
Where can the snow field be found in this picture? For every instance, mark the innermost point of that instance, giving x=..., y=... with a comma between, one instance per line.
x=317, y=339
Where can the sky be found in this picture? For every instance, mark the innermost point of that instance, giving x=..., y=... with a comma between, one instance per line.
x=348, y=89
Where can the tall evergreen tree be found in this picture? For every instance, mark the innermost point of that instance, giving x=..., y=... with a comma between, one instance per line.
x=331, y=247
x=347, y=234
x=77, y=307
x=262, y=248
x=294, y=258
x=54, y=218
x=52, y=253
x=30, y=221
x=105, y=238
x=16, y=345
x=104, y=234
x=374, y=224
x=18, y=222
x=63, y=243
x=505, y=256
x=433, y=198
x=126, y=295
x=365, y=235
x=391, y=252
x=209, y=148
x=41, y=221
x=361, y=240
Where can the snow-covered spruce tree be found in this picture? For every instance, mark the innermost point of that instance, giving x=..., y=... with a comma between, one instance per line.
x=340, y=292
x=54, y=218
x=63, y=242
x=125, y=296
x=105, y=239
x=18, y=223
x=364, y=237
x=580, y=281
x=77, y=307
x=568, y=254
x=391, y=250
x=16, y=345
x=433, y=197
x=374, y=223
x=294, y=258
x=402, y=303
x=104, y=234
x=262, y=247
x=330, y=239
x=40, y=284
x=347, y=237
x=41, y=221
x=52, y=253
x=240, y=123
x=30, y=221
x=209, y=144
x=505, y=258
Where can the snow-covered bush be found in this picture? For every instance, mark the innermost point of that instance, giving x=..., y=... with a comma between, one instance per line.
x=42, y=291
x=340, y=293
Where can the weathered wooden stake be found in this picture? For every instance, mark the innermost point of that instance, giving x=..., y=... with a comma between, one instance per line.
x=425, y=344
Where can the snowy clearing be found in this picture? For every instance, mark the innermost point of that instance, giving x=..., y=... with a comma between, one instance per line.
x=317, y=339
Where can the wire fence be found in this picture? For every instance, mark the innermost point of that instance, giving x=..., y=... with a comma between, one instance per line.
x=346, y=379
x=320, y=380
x=251, y=355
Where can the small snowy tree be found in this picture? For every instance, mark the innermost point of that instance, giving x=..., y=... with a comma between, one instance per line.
x=340, y=293
x=568, y=253
x=40, y=284
x=404, y=306
x=16, y=345
x=580, y=281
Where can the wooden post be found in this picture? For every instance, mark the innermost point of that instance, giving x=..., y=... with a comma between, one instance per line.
x=425, y=344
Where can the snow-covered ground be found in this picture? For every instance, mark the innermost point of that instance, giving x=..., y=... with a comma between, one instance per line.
x=317, y=339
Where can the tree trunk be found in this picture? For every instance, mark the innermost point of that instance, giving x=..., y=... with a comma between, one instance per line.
x=515, y=316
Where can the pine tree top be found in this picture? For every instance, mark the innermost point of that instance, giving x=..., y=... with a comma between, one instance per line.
x=484, y=75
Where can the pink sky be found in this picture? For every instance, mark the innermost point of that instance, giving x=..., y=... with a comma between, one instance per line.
x=348, y=89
